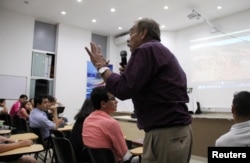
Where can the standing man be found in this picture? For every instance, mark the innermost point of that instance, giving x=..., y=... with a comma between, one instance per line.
x=15, y=107
x=157, y=85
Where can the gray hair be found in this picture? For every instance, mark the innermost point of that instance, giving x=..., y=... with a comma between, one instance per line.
x=151, y=26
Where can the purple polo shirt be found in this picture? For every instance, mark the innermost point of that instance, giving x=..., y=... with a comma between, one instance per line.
x=157, y=85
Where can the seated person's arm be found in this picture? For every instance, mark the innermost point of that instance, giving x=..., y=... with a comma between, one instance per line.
x=118, y=141
x=24, y=113
x=56, y=120
x=13, y=145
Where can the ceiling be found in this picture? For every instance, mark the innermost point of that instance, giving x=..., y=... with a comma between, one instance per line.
x=127, y=11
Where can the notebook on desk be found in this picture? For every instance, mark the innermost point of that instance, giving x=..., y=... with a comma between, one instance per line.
x=60, y=109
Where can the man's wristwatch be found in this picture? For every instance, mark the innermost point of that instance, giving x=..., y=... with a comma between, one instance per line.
x=102, y=70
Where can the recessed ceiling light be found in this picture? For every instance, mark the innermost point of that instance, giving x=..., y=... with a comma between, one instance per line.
x=94, y=20
x=140, y=18
x=63, y=13
x=79, y=0
x=219, y=7
x=120, y=28
x=165, y=7
x=162, y=26
x=112, y=9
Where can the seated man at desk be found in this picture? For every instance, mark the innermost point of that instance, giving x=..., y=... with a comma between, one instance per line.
x=100, y=130
x=238, y=135
x=7, y=145
x=39, y=119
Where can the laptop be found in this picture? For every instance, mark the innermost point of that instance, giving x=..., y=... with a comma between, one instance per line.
x=60, y=109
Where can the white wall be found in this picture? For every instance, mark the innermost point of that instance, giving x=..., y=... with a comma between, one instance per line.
x=16, y=32
x=115, y=59
x=71, y=68
x=16, y=40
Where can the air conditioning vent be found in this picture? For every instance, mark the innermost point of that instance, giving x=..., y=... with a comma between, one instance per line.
x=121, y=39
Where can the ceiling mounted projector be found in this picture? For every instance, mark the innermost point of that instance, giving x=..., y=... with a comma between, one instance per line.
x=194, y=15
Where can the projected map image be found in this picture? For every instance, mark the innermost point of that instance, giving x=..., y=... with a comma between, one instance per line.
x=221, y=59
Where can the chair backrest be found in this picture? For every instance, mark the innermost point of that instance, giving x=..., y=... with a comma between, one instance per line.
x=7, y=120
x=101, y=155
x=20, y=124
x=57, y=133
x=46, y=143
x=40, y=140
x=63, y=149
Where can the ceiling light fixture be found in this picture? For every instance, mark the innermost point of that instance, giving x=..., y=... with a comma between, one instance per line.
x=120, y=28
x=112, y=9
x=79, y=0
x=94, y=20
x=165, y=7
x=63, y=13
x=219, y=7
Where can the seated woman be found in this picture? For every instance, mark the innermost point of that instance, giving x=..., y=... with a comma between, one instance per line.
x=25, y=109
x=7, y=145
x=76, y=133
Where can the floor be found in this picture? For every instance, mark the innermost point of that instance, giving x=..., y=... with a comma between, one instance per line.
x=198, y=159
x=194, y=159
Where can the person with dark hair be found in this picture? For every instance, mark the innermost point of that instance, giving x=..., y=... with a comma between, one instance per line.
x=25, y=109
x=76, y=133
x=3, y=108
x=52, y=104
x=15, y=107
x=31, y=100
x=39, y=119
x=238, y=135
x=100, y=130
x=157, y=84
x=51, y=101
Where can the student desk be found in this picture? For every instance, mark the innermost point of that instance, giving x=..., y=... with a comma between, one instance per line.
x=4, y=132
x=207, y=127
x=137, y=152
x=66, y=128
x=23, y=150
x=24, y=136
x=130, y=129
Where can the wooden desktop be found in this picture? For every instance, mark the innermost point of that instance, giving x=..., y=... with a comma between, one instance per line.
x=23, y=150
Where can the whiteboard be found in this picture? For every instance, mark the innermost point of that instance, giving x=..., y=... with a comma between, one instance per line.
x=12, y=87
